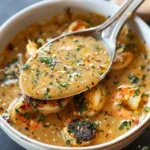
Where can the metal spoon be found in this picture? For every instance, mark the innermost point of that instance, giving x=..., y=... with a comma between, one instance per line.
x=107, y=33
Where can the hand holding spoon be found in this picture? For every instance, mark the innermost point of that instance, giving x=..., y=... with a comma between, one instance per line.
x=75, y=62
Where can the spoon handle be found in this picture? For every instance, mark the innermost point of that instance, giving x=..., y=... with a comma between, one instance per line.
x=114, y=17
x=111, y=33
x=116, y=28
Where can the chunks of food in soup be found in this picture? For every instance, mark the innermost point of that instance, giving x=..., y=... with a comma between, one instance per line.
x=74, y=65
x=101, y=114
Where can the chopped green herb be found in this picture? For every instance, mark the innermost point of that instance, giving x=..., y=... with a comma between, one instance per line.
x=35, y=81
x=40, y=42
x=144, y=77
x=68, y=142
x=35, y=103
x=78, y=141
x=38, y=74
x=46, y=93
x=41, y=117
x=136, y=93
x=82, y=108
x=17, y=111
x=76, y=40
x=77, y=49
x=145, y=56
x=116, y=81
x=94, y=125
x=80, y=103
x=118, y=46
x=9, y=75
x=68, y=56
x=97, y=48
x=26, y=66
x=145, y=94
x=58, y=116
x=147, y=109
x=26, y=114
x=130, y=36
x=78, y=61
x=65, y=84
x=47, y=60
x=133, y=79
x=51, y=83
x=129, y=46
x=143, y=67
x=124, y=124
x=60, y=104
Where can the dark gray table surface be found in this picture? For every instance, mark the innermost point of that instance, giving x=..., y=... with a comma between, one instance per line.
x=9, y=8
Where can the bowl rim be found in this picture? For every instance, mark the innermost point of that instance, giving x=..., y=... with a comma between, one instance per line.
x=4, y=124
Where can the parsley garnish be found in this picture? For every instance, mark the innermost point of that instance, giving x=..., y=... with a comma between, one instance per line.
x=75, y=40
x=133, y=79
x=41, y=117
x=60, y=104
x=143, y=67
x=26, y=114
x=124, y=124
x=46, y=93
x=147, y=109
x=26, y=66
x=136, y=93
x=65, y=84
x=68, y=142
x=17, y=111
x=47, y=60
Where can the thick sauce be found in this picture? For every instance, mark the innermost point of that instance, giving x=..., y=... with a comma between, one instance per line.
x=65, y=68
x=112, y=122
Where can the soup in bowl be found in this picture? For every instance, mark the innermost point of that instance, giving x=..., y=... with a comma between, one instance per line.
x=115, y=108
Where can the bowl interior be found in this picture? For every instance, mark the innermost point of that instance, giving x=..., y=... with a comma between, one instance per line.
x=49, y=8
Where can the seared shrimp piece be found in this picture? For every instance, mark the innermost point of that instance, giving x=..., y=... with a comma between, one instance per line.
x=31, y=49
x=91, y=102
x=49, y=107
x=79, y=132
x=77, y=25
x=122, y=59
x=21, y=113
x=126, y=100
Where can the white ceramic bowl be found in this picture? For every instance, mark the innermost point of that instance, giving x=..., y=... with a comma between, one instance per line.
x=47, y=9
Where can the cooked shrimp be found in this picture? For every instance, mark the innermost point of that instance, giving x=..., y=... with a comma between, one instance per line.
x=49, y=107
x=91, y=102
x=126, y=100
x=21, y=113
x=31, y=49
x=122, y=59
x=77, y=25
x=79, y=132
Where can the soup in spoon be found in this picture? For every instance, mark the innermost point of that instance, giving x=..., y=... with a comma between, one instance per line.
x=65, y=68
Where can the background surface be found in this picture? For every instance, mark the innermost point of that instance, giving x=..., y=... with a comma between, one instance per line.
x=9, y=8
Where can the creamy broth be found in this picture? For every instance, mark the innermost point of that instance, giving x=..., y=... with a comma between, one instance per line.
x=65, y=68
x=113, y=116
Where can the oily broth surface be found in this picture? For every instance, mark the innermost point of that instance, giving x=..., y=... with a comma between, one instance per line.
x=109, y=120
x=66, y=67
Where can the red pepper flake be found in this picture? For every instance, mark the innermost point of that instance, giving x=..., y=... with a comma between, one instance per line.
x=1, y=108
x=106, y=136
x=136, y=121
